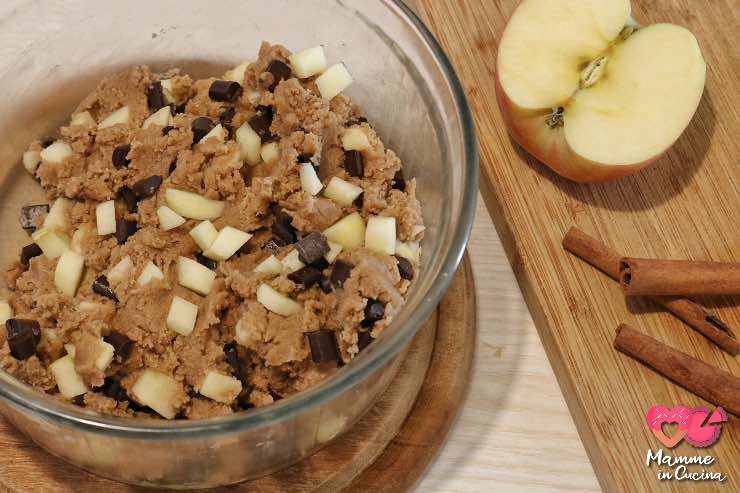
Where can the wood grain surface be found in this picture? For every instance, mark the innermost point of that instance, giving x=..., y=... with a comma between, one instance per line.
x=387, y=451
x=686, y=207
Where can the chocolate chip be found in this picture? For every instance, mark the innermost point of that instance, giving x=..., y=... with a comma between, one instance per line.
x=155, y=97
x=122, y=345
x=203, y=260
x=147, y=187
x=200, y=127
x=398, y=182
x=102, y=287
x=178, y=109
x=272, y=246
x=173, y=166
x=323, y=346
x=166, y=130
x=307, y=276
x=225, y=91
x=356, y=121
x=112, y=388
x=405, y=268
x=354, y=164
x=227, y=115
x=359, y=202
x=312, y=247
x=325, y=284
x=28, y=252
x=246, y=174
x=280, y=215
x=374, y=310
x=124, y=229
x=23, y=336
x=30, y=215
x=320, y=264
x=266, y=111
x=285, y=234
x=340, y=273
x=364, y=339
x=261, y=124
x=280, y=71
x=47, y=141
x=232, y=358
x=119, y=158
x=129, y=198
x=78, y=400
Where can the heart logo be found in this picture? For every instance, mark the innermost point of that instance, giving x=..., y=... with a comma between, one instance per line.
x=659, y=415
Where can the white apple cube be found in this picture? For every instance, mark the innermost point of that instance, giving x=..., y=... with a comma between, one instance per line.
x=6, y=312
x=220, y=388
x=121, y=270
x=158, y=391
x=270, y=266
x=194, y=276
x=31, y=161
x=348, y=232
x=169, y=219
x=118, y=117
x=68, y=272
x=193, y=206
x=52, y=243
x=236, y=74
x=204, y=234
x=87, y=306
x=334, y=250
x=245, y=334
x=105, y=214
x=333, y=81
x=105, y=356
x=218, y=132
x=56, y=153
x=292, y=263
x=308, y=63
x=162, y=117
x=69, y=382
x=56, y=219
x=71, y=351
x=276, y=302
x=182, y=316
x=250, y=144
x=354, y=139
x=169, y=96
x=270, y=152
x=83, y=119
x=310, y=181
x=150, y=273
x=380, y=235
x=227, y=243
x=78, y=238
x=342, y=192
x=408, y=250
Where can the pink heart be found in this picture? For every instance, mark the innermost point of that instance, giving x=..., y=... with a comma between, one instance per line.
x=657, y=415
x=701, y=436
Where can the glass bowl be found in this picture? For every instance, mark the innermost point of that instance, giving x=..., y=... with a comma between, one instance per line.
x=55, y=51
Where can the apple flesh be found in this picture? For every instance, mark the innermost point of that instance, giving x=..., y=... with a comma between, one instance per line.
x=158, y=391
x=220, y=388
x=591, y=95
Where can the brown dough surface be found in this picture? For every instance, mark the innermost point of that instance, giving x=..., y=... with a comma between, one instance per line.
x=274, y=355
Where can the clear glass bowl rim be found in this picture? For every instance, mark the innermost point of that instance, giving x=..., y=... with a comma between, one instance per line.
x=45, y=407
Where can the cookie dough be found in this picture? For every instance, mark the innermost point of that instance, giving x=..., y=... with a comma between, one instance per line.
x=210, y=245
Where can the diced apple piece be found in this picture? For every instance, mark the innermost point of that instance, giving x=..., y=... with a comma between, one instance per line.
x=335, y=80
x=169, y=219
x=193, y=206
x=310, y=181
x=182, y=316
x=380, y=235
x=105, y=356
x=245, y=334
x=87, y=306
x=254, y=96
x=78, y=237
x=220, y=388
x=342, y=192
x=6, y=312
x=236, y=74
x=150, y=273
x=354, y=139
x=195, y=276
x=69, y=382
x=162, y=117
x=218, y=132
x=227, y=243
x=270, y=266
x=276, y=302
x=270, y=152
x=250, y=144
x=169, y=96
x=334, y=250
x=308, y=63
x=68, y=272
x=71, y=351
x=56, y=153
x=158, y=391
x=52, y=243
x=118, y=117
x=105, y=214
x=31, y=161
x=56, y=219
x=292, y=263
x=121, y=270
x=348, y=232
x=408, y=250
x=204, y=234
x=83, y=119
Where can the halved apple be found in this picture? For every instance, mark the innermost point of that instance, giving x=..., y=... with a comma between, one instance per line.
x=591, y=94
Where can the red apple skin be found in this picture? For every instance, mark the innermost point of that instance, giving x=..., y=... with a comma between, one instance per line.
x=529, y=129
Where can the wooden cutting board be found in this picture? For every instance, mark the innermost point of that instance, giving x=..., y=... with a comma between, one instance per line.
x=687, y=206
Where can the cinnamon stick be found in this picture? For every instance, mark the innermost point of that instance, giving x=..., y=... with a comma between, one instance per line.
x=708, y=382
x=693, y=314
x=678, y=277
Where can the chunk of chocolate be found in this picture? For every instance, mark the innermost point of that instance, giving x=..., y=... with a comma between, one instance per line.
x=266, y=110
x=307, y=276
x=320, y=264
x=354, y=164
x=46, y=141
x=232, y=358
x=112, y=388
x=356, y=121
x=203, y=260
x=280, y=215
x=166, y=130
x=261, y=125
x=398, y=182
x=323, y=346
x=374, y=310
x=102, y=287
x=280, y=71
x=119, y=158
x=23, y=336
x=124, y=229
x=364, y=339
x=155, y=97
x=227, y=115
x=325, y=284
x=340, y=273
x=224, y=91
x=122, y=346
x=173, y=167
x=28, y=252
x=312, y=247
x=30, y=215
x=200, y=127
x=359, y=202
x=285, y=234
x=129, y=198
x=405, y=268
x=147, y=187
